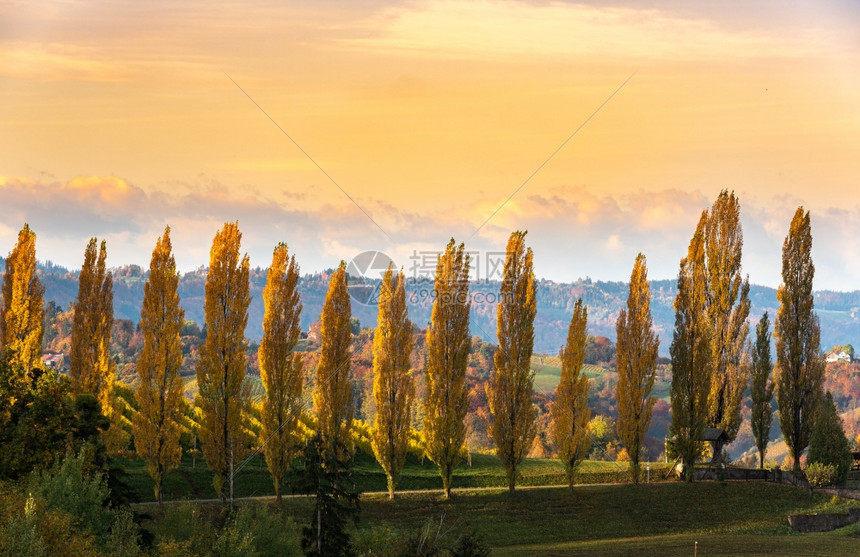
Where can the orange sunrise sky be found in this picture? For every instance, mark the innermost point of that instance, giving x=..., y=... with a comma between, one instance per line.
x=118, y=118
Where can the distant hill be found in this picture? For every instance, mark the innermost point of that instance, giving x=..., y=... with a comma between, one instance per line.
x=839, y=312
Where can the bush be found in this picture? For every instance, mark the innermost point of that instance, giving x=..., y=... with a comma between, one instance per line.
x=234, y=543
x=182, y=531
x=250, y=531
x=426, y=542
x=271, y=533
x=20, y=535
x=124, y=537
x=820, y=475
x=470, y=545
x=377, y=541
x=69, y=489
x=828, y=444
x=27, y=527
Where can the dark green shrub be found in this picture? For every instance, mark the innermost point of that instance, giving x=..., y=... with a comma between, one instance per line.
x=828, y=444
x=470, y=545
x=272, y=534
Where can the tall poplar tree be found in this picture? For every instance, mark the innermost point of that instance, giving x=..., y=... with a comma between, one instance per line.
x=799, y=365
x=728, y=307
x=333, y=390
x=691, y=353
x=511, y=384
x=570, y=412
x=224, y=397
x=393, y=385
x=761, y=390
x=281, y=365
x=448, y=346
x=90, y=365
x=636, y=359
x=21, y=328
x=156, y=425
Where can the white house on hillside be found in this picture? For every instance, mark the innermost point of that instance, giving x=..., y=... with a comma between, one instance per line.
x=840, y=356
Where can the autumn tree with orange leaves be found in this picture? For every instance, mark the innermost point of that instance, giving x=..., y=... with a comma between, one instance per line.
x=333, y=389
x=281, y=365
x=224, y=397
x=21, y=328
x=570, y=412
x=637, y=364
x=448, y=346
x=156, y=426
x=511, y=385
x=393, y=385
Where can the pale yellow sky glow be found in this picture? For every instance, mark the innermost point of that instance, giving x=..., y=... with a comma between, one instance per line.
x=117, y=118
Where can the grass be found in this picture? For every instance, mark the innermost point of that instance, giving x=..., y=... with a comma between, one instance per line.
x=610, y=512
x=257, y=389
x=836, y=544
x=548, y=373
x=731, y=518
x=666, y=518
x=195, y=482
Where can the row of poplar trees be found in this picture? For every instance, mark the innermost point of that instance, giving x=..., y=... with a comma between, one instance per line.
x=224, y=397
x=712, y=362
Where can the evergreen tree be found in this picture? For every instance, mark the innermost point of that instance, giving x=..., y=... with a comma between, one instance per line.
x=156, y=426
x=448, y=346
x=333, y=389
x=828, y=443
x=224, y=397
x=728, y=307
x=570, y=412
x=691, y=353
x=21, y=328
x=280, y=365
x=636, y=363
x=393, y=385
x=511, y=385
x=761, y=390
x=327, y=477
x=799, y=365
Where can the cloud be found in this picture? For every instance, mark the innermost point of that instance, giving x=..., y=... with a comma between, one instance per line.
x=574, y=231
x=66, y=214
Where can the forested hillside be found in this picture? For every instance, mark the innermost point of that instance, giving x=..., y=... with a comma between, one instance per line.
x=839, y=312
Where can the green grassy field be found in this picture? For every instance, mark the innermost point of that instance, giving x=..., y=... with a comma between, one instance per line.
x=548, y=372
x=195, y=482
x=668, y=518
x=735, y=518
x=257, y=389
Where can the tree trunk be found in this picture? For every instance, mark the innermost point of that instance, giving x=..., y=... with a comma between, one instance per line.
x=319, y=529
x=231, y=476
